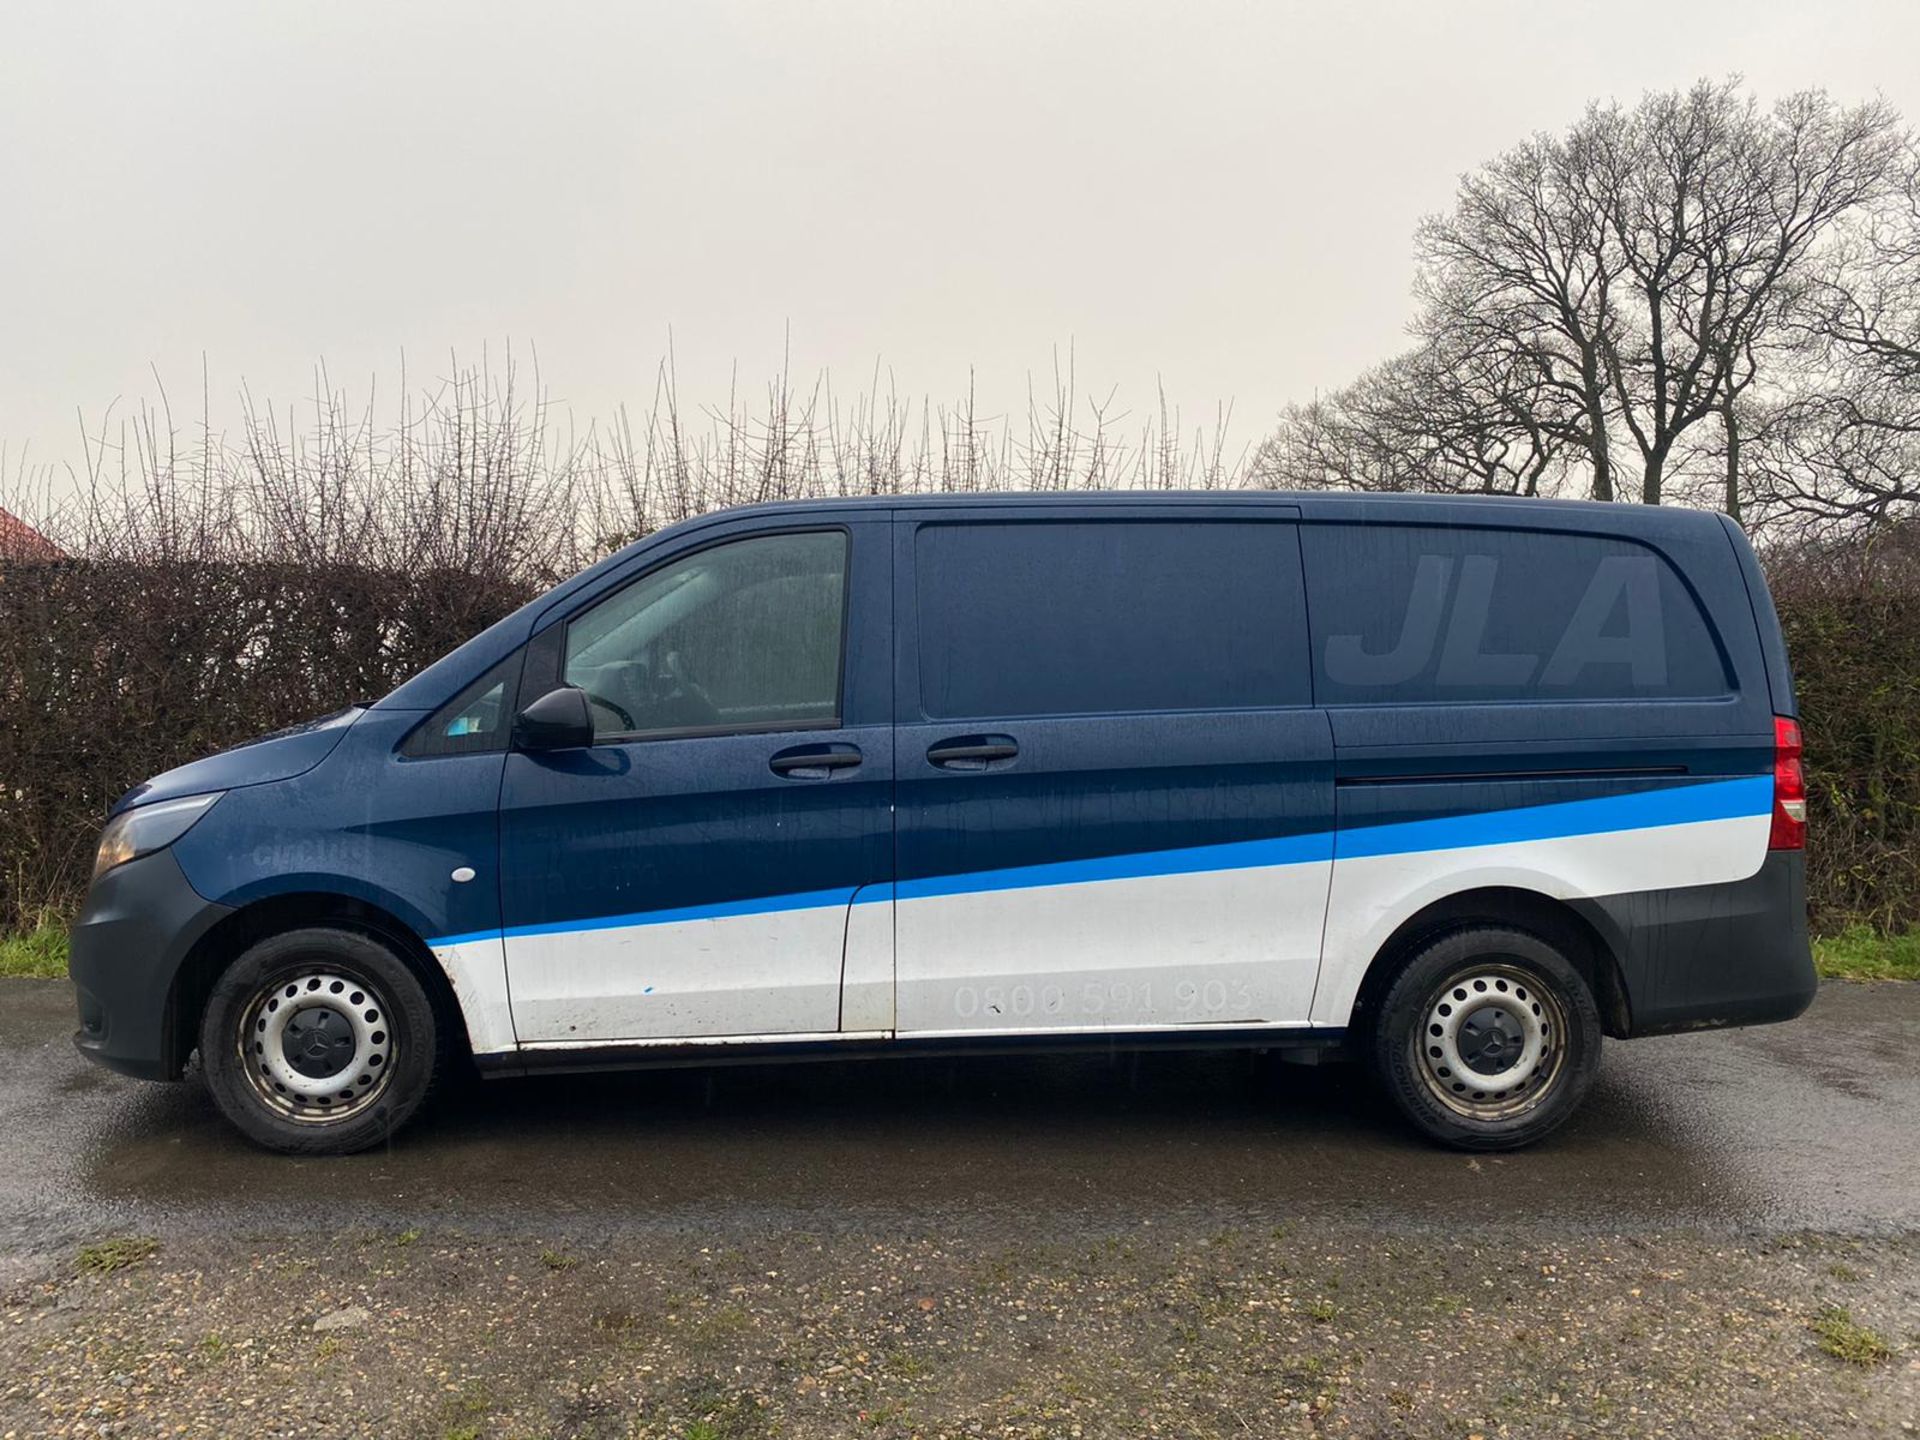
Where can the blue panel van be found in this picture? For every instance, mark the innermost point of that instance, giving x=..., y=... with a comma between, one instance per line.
x=1459, y=787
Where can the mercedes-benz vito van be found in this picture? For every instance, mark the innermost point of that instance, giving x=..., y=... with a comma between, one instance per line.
x=1456, y=786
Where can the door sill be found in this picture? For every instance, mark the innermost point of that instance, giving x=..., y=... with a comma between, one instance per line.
x=551, y=1057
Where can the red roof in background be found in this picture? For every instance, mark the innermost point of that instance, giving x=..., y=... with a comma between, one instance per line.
x=20, y=541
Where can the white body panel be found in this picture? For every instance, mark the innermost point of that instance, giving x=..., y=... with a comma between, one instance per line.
x=1373, y=895
x=476, y=967
x=707, y=1042
x=763, y=973
x=1209, y=946
x=866, y=995
x=1170, y=943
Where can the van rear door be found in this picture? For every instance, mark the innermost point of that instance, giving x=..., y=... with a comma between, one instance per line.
x=1566, y=701
x=1115, y=797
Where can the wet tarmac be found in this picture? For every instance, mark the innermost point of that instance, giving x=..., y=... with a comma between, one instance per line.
x=1812, y=1125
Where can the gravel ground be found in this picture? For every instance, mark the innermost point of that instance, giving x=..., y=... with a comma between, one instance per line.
x=1726, y=1242
x=1301, y=1329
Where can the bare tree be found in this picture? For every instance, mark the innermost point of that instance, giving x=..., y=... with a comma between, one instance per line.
x=1716, y=208
x=1841, y=445
x=1523, y=267
x=1432, y=419
x=1868, y=303
x=1646, y=261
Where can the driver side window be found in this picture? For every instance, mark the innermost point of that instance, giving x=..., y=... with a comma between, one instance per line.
x=745, y=635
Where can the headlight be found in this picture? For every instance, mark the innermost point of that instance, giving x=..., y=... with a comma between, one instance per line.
x=147, y=828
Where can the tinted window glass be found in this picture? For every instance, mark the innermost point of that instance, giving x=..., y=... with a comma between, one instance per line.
x=1415, y=614
x=744, y=635
x=1075, y=618
x=476, y=719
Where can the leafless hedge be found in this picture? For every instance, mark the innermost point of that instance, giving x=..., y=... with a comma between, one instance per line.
x=1852, y=616
x=218, y=591
x=215, y=591
x=115, y=669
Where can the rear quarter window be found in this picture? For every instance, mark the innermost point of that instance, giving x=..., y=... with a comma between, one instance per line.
x=1411, y=615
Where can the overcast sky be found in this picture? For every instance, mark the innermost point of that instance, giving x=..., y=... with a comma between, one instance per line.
x=1217, y=196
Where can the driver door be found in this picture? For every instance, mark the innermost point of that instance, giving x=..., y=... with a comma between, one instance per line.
x=692, y=874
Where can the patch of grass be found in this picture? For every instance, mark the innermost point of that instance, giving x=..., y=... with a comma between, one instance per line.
x=1322, y=1311
x=906, y=1365
x=36, y=954
x=615, y=1322
x=406, y=1238
x=723, y=1413
x=106, y=1256
x=1307, y=1370
x=1863, y=954
x=557, y=1260
x=1845, y=1339
x=463, y=1411
x=723, y=1324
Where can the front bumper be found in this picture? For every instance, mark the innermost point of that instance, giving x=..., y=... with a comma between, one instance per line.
x=139, y=923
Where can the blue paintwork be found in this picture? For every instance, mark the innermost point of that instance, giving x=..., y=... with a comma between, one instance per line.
x=366, y=823
x=1501, y=613
x=1086, y=787
x=280, y=756
x=673, y=828
x=724, y=910
x=1640, y=809
x=1773, y=643
x=686, y=824
x=677, y=828
x=1102, y=796
x=1434, y=761
x=1140, y=865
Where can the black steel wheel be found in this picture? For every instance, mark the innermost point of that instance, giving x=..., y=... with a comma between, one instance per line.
x=1487, y=1038
x=319, y=1041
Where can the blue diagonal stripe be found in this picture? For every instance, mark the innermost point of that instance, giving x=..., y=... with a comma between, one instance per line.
x=1744, y=797
x=1642, y=810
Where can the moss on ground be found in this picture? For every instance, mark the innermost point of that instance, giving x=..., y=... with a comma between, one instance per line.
x=36, y=954
x=1863, y=954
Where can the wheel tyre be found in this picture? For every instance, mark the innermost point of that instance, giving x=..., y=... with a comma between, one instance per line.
x=407, y=1042
x=1419, y=1038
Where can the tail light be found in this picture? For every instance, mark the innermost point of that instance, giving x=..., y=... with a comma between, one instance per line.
x=1789, y=788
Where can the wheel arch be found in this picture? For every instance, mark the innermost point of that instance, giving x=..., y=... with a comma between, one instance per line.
x=225, y=941
x=1552, y=920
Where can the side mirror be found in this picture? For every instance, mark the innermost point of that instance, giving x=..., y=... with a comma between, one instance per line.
x=558, y=720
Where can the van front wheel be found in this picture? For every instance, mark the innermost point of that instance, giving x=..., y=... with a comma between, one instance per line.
x=1487, y=1039
x=319, y=1042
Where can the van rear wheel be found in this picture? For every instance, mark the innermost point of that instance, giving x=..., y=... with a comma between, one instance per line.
x=319, y=1042
x=1487, y=1039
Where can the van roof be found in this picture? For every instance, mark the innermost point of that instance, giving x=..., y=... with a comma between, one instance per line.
x=1319, y=504
x=919, y=499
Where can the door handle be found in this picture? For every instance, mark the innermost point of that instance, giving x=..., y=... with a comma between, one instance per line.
x=814, y=762
x=972, y=752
